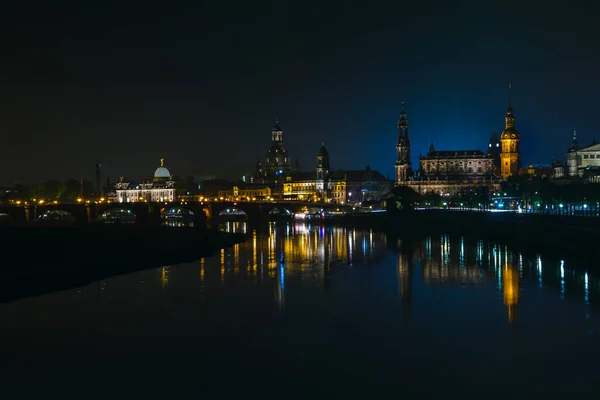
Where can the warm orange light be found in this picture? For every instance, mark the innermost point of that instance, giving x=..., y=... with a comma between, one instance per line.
x=41, y=201
x=101, y=198
x=79, y=199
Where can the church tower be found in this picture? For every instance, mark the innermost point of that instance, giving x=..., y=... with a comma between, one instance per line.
x=323, y=172
x=510, y=140
x=403, y=165
x=572, y=155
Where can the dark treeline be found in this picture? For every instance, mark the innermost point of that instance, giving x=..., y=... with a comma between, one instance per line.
x=52, y=190
x=529, y=192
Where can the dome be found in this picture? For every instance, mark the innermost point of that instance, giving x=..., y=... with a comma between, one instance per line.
x=162, y=173
x=277, y=149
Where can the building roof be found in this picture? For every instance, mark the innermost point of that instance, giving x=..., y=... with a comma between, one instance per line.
x=592, y=147
x=304, y=176
x=365, y=175
x=457, y=154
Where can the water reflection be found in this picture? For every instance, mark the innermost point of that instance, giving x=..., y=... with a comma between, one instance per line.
x=318, y=300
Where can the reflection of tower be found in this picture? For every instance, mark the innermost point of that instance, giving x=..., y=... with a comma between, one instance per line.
x=510, y=283
x=280, y=287
x=404, y=271
x=403, y=164
x=510, y=157
x=327, y=261
x=164, y=277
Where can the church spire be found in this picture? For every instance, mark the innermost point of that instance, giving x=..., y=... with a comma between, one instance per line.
x=509, y=96
x=402, y=124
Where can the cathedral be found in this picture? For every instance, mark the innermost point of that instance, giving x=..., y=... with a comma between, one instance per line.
x=277, y=160
x=447, y=172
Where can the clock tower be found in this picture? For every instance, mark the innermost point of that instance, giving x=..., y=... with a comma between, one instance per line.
x=510, y=157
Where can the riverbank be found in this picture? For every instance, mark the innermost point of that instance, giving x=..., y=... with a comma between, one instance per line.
x=41, y=259
x=561, y=236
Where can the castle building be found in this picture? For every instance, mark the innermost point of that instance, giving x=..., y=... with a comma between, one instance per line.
x=444, y=172
x=510, y=157
x=584, y=162
x=277, y=161
x=456, y=164
x=160, y=189
x=403, y=164
x=339, y=187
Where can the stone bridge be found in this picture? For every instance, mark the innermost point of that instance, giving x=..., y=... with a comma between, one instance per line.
x=149, y=213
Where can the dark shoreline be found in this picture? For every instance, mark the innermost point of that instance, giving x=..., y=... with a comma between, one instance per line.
x=37, y=260
x=572, y=238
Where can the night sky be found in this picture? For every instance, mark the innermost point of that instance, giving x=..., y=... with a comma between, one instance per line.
x=201, y=83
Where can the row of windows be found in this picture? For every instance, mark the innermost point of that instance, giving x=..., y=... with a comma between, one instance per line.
x=457, y=162
x=469, y=170
x=285, y=159
x=585, y=156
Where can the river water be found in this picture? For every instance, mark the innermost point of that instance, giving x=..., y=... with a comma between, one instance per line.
x=316, y=311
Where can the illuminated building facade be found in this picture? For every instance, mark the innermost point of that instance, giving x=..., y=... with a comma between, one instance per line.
x=456, y=164
x=245, y=192
x=510, y=140
x=340, y=187
x=160, y=189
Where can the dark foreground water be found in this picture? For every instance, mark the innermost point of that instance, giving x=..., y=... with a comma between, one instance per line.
x=348, y=313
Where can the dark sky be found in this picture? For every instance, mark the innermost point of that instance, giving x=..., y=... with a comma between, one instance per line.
x=201, y=83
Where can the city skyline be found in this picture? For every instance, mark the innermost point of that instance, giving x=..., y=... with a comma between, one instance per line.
x=201, y=85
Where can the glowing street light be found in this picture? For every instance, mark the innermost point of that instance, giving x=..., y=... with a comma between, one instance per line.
x=79, y=199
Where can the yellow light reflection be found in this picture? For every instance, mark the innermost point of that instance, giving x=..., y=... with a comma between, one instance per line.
x=510, y=283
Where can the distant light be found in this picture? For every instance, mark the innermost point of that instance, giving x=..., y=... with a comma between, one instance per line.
x=560, y=205
x=585, y=206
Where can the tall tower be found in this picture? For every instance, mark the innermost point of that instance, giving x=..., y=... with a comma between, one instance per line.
x=277, y=161
x=98, y=184
x=494, y=149
x=572, y=155
x=323, y=172
x=510, y=157
x=403, y=165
